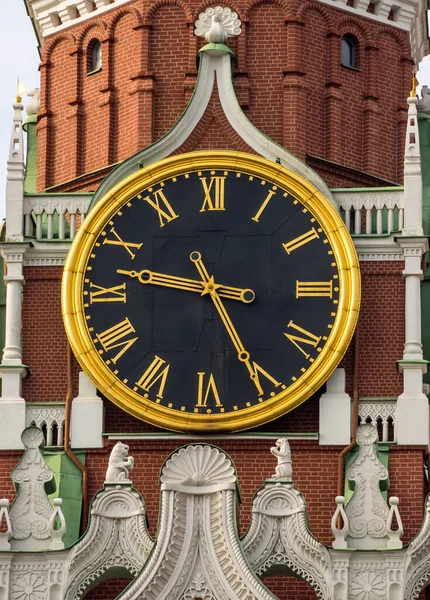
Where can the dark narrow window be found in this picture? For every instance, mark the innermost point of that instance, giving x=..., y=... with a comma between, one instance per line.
x=349, y=51
x=94, y=56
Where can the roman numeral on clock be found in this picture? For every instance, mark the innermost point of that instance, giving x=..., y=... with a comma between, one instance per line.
x=120, y=242
x=112, y=294
x=254, y=370
x=156, y=372
x=306, y=289
x=303, y=239
x=211, y=389
x=162, y=206
x=117, y=336
x=258, y=214
x=305, y=337
x=214, y=193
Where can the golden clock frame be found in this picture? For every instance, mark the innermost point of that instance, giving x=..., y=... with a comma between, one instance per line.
x=338, y=340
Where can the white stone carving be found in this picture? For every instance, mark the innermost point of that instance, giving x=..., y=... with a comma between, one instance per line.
x=120, y=464
x=217, y=24
x=340, y=533
x=374, y=411
x=197, y=539
x=51, y=16
x=31, y=511
x=49, y=417
x=403, y=13
x=69, y=210
x=424, y=102
x=417, y=559
x=6, y=532
x=367, y=511
x=278, y=538
x=117, y=537
x=33, y=106
x=284, y=469
x=394, y=535
x=368, y=585
x=377, y=206
x=28, y=586
x=56, y=532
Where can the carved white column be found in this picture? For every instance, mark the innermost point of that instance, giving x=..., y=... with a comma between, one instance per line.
x=87, y=416
x=12, y=405
x=335, y=412
x=412, y=418
x=15, y=178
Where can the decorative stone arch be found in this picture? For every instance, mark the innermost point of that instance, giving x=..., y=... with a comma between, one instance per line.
x=313, y=6
x=116, y=543
x=252, y=4
x=417, y=559
x=278, y=540
x=352, y=24
x=397, y=36
x=96, y=29
x=53, y=43
x=123, y=11
x=149, y=15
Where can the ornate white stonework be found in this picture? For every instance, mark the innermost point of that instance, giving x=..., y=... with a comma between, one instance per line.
x=120, y=464
x=217, y=24
x=284, y=469
x=50, y=417
x=396, y=13
x=278, y=540
x=197, y=553
x=367, y=511
x=31, y=515
x=117, y=540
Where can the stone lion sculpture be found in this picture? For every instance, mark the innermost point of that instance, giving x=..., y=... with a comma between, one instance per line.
x=120, y=464
x=282, y=451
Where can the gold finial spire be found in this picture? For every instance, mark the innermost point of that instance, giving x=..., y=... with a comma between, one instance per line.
x=20, y=89
x=414, y=86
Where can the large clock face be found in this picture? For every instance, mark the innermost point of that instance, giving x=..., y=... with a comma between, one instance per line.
x=214, y=290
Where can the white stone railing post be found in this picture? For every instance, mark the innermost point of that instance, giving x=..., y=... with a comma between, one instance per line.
x=12, y=405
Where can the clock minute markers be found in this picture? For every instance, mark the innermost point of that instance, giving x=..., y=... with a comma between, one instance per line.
x=191, y=285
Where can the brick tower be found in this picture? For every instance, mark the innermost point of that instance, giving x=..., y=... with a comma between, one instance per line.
x=317, y=88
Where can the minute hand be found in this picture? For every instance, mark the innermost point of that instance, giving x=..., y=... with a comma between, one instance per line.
x=242, y=354
x=182, y=283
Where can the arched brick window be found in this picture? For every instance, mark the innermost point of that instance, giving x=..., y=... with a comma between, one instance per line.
x=94, y=56
x=349, y=51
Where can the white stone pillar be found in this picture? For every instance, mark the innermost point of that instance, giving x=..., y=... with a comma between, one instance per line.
x=335, y=412
x=412, y=413
x=12, y=405
x=87, y=416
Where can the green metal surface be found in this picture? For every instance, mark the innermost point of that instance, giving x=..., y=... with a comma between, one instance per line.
x=31, y=162
x=68, y=480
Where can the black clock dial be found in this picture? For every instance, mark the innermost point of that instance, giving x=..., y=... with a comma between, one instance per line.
x=211, y=291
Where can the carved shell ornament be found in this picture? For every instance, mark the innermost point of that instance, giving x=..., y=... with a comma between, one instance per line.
x=198, y=466
x=217, y=24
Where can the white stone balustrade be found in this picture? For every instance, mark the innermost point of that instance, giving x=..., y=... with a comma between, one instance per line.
x=54, y=216
x=376, y=211
x=58, y=216
x=382, y=414
x=49, y=418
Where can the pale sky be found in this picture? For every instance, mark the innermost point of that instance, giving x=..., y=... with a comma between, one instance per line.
x=19, y=57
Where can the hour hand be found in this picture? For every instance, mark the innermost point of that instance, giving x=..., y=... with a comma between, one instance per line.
x=191, y=285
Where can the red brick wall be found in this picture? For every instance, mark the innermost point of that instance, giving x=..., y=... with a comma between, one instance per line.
x=289, y=56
